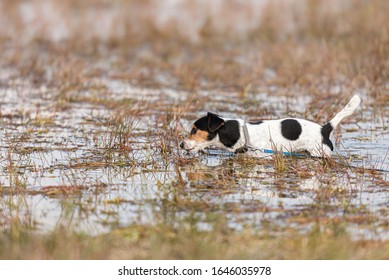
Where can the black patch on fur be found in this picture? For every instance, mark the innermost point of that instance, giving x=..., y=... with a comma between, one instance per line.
x=229, y=133
x=256, y=122
x=291, y=129
x=214, y=122
x=202, y=124
x=325, y=132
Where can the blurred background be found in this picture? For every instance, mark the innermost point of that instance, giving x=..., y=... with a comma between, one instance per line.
x=200, y=44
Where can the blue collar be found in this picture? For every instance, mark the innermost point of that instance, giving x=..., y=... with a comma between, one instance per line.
x=288, y=154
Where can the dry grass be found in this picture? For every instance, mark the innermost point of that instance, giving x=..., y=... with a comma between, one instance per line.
x=326, y=240
x=352, y=41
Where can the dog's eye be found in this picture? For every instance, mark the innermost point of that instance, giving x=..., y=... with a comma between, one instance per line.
x=193, y=131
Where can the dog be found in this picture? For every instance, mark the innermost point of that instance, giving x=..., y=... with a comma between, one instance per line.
x=288, y=135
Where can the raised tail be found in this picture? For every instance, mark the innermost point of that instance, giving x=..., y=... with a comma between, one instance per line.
x=346, y=111
x=332, y=124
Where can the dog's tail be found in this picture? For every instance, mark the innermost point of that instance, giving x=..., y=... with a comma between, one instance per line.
x=346, y=111
x=332, y=124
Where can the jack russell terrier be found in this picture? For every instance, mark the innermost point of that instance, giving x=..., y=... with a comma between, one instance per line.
x=288, y=136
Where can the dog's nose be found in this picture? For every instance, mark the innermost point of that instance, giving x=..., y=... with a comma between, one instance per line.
x=182, y=145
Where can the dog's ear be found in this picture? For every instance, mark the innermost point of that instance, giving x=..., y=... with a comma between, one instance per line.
x=214, y=122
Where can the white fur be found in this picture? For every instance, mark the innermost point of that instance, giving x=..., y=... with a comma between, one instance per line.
x=346, y=111
x=268, y=136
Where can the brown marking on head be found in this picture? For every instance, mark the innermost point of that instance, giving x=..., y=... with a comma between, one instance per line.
x=198, y=135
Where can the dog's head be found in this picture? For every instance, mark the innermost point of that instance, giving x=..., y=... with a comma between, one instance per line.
x=203, y=133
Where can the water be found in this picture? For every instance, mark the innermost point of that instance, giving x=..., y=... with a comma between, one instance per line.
x=61, y=166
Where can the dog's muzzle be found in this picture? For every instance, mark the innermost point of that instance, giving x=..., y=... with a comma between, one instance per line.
x=187, y=146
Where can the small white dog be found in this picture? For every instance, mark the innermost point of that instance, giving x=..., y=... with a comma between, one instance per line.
x=289, y=135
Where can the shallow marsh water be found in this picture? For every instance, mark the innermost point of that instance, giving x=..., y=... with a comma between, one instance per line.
x=108, y=157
